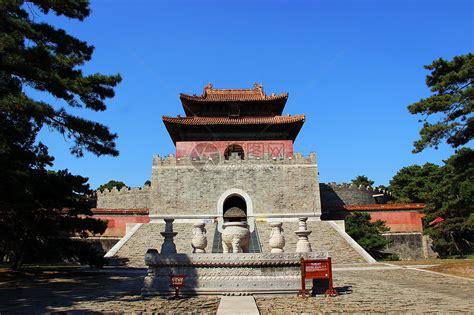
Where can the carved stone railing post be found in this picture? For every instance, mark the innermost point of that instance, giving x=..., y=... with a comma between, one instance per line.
x=277, y=240
x=199, y=241
x=303, y=245
x=168, y=246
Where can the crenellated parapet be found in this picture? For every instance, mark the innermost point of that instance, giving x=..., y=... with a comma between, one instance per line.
x=125, y=198
x=337, y=195
x=123, y=190
x=369, y=189
x=295, y=159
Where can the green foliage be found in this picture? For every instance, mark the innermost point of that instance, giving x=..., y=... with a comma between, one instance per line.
x=452, y=198
x=413, y=183
x=367, y=234
x=111, y=184
x=451, y=106
x=147, y=183
x=47, y=59
x=362, y=180
x=40, y=209
x=448, y=192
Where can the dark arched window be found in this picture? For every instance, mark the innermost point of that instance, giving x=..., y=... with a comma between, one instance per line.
x=234, y=148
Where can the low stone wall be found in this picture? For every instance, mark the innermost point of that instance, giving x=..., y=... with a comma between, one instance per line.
x=410, y=246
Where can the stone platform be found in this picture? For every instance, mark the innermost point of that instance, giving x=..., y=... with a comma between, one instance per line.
x=231, y=274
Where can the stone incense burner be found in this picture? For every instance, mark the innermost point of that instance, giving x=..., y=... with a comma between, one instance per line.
x=235, y=237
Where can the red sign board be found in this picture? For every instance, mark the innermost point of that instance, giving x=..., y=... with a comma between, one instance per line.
x=316, y=269
x=177, y=281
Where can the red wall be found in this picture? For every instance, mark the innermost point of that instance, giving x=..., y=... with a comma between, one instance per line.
x=399, y=221
x=118, y=219
x=117, y=224
x=257, y=148
x=399, y=217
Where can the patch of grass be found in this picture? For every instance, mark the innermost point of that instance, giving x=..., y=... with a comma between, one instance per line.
x=461, y=267
x=428, y=261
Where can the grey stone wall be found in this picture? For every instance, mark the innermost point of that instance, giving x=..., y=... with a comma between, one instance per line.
x=333, y=195
x=274, y=185
x=410, y=246
x=125, y=198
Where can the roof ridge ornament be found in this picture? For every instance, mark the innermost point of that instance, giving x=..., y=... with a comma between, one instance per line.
x=209, y=86
x=259, y=87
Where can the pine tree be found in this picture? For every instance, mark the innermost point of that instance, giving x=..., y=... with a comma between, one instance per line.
x=367, y=234
x=362, y=180
x=451, y=107
x=40, y=209
x=111, y=184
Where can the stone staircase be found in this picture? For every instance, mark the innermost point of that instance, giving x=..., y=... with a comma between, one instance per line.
x=325, y=236
x=147, y=236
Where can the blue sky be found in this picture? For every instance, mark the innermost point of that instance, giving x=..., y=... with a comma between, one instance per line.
x=351, y=66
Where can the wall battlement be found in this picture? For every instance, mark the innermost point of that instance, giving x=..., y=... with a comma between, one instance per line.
x=295, y=159
x=125, y=198
x=124, y=190
x=337, y=195
x=370, y=189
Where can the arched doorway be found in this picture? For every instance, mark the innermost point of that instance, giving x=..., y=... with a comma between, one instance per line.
x=235, y=209
x=234, y=148
x=235, y=205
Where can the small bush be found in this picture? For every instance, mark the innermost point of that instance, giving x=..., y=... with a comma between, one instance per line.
x=367, y=234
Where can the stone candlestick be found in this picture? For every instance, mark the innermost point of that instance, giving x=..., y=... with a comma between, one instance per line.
x=168, y=246
x=303, y=245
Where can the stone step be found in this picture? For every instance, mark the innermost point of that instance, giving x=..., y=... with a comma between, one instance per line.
x=230, y=305
x=325, y=236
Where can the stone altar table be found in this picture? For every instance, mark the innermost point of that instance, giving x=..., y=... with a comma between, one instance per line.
x=229, y=274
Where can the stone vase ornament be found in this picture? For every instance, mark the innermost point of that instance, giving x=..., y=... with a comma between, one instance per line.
x=168, y=246
x=277, y=240
x=235, y=237
x=199, y=241
x=303, y=245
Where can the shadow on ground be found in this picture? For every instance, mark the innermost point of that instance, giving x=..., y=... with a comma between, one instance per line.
x=39, y=290
x=321, y=285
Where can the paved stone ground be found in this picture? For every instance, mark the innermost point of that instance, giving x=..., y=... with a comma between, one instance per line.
x=374, y=290
x=82, y=291
x=381, y=291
